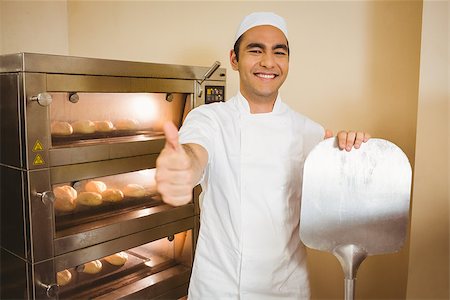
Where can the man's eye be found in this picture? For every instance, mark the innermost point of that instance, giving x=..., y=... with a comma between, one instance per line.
x=280, y=53
x=254, y=51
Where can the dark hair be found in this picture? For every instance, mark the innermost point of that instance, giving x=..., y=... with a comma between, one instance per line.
x=237, y=46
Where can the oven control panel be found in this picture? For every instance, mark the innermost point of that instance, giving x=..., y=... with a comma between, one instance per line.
x=214, y=94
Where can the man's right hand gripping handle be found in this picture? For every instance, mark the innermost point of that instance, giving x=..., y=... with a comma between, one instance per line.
x=178, y=168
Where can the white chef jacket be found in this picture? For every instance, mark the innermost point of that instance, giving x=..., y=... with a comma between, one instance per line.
x=248, y=246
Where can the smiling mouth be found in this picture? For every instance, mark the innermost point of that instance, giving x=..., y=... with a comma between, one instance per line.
x=266, y=76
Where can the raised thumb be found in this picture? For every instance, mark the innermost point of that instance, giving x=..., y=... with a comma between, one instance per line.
x=171, y=133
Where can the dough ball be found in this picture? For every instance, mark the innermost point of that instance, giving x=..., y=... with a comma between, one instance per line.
x=112, y=195
x=64, y=205
x=117, y=259
x=63, y=277
x=134, y=190
x=92, y=267
x=83, y=126
x=95, y=186
x=65, y=198
x=89, y=198
x=104, y=126
x=65, y=192
x=126, y=124
x=61, y=128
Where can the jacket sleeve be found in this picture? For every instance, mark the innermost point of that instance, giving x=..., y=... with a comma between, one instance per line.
x=314, y=134
x=200, y=127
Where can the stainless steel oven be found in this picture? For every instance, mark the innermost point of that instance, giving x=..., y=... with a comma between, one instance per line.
x=79, y=142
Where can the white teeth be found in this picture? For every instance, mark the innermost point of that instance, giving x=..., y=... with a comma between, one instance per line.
x=268, y=76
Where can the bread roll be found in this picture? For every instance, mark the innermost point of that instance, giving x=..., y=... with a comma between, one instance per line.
x=63, y=277
x=112, y=195
x=65, y=198
x=95, y=186
x=117, y=259
x=134, y=190
x=89, y=198
x=104, y=126
x=83, y=126
x=61, y=128
x=92, y=267
x=126, y=124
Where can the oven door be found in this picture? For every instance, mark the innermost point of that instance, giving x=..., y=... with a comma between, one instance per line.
x=90, y=118
x=77, y=206
x=152, y=264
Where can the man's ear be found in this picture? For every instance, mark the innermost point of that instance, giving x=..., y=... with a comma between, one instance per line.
x=233, y=60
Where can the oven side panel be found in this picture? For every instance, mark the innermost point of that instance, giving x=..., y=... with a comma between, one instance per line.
x=14, y=212
x=13, y=276
x=11, y=120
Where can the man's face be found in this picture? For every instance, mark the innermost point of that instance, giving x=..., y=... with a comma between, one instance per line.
x=263, y=63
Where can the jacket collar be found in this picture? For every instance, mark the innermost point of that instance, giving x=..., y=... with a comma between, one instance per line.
x=244, y=107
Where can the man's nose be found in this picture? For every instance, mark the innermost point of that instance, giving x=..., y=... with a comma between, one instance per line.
x=268, y=60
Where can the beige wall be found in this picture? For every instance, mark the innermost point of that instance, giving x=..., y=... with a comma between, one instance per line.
x=33, y=26
x=354, y=64
x=1, y=27
x=359, y=55
x=429, y=261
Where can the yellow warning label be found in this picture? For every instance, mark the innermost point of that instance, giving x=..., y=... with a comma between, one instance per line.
x=38, y=146
x=38, y=160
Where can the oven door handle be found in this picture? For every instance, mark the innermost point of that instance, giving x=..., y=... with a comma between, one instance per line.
x=51, y=290
x=44, y=99
x=47, y=197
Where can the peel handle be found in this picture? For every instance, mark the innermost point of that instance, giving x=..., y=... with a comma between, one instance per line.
x=349, y=289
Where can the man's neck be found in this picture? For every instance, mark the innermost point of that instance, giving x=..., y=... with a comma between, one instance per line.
x=260, y=106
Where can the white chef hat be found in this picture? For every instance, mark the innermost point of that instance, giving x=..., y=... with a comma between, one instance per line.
x=261, y=18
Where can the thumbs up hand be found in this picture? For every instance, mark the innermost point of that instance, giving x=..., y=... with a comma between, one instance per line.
x=174, y=170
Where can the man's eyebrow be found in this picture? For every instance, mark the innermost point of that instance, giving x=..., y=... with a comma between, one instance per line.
x=256, y=45
x=262, y=46
x=280, y=46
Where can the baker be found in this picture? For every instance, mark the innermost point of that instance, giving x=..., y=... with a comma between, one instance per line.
x=248, y=154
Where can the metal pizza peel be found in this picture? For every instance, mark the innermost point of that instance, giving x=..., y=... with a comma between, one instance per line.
x=355, y=204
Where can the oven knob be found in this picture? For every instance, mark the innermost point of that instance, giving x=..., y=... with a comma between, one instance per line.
x=44, y=99
x=169, y=97
x=46, y=197
x=74, y=98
